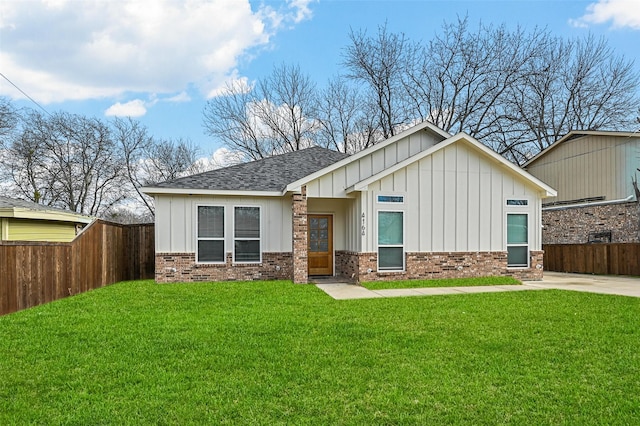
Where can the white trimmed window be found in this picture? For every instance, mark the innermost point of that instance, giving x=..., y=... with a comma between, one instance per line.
x=390, y=241
x=246, y=235
x=517, y=240
x=210, y=237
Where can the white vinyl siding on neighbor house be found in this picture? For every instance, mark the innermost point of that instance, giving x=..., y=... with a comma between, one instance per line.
x=454, y=200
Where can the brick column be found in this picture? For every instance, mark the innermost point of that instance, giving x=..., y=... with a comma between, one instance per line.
x=300, y=258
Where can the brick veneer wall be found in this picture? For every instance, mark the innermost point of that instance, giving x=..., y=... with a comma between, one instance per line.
x=572, y=225
x=182, y=267
x=363, y=266
x=300, y=230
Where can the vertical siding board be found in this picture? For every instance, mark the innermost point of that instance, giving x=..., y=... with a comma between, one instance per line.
x=485, y=211
x=497, y=219
x=449, y=197
x=437, y=206
x=462, y=211
x=473, y=203
x=402, y=149
x=413, y=187
x=426, y=204
x=390, y=155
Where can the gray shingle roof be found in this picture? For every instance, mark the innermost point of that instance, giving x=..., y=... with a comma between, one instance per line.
x=269, y=174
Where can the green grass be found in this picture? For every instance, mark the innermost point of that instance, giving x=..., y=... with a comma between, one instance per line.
x=450, y=282
x=278, y=353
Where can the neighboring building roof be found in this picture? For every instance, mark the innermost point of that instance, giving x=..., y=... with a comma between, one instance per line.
x=271, y=174
x=577, y=134
x=21, y=209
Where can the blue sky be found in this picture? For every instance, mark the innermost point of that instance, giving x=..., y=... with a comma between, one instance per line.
x=160, y=61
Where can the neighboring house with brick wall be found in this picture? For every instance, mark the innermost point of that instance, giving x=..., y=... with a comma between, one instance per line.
x=593, y=173
x=422, y=204
x=22, y=220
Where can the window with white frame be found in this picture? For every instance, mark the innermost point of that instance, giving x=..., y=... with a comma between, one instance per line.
x=390, y=241
x=210, y=236
x=517, y=240
x=246, y=235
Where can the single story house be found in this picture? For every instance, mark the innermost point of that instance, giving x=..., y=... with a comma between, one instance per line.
x=593, y=173
x=22, y=220
x=422, y=204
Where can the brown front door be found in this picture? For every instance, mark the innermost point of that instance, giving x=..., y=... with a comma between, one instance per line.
x=320, y=244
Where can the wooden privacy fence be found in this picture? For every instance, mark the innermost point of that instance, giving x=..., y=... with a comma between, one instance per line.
x=33, y=273
x=611, y=258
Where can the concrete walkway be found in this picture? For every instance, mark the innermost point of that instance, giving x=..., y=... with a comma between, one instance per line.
x=618, y=285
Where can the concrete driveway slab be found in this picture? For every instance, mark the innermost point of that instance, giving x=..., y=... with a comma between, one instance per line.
x=603, y=284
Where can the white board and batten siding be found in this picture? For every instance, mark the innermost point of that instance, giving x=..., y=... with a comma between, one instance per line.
x=176, y=221
x=333, y=184
x=454, y=200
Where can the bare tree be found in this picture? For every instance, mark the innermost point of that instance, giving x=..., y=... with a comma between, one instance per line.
x=576, y=84
x=287, y=107
x=344, y=125
x=135, y=143
x=148, y=161
x=519, y=92
x=230, y=118
x=380, y=63
x=168, y=159
x=68, y=161
x=275, y=116
x=460, y=79
x=9, y=118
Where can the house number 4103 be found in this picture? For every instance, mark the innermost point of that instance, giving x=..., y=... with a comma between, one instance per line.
x=363, y=227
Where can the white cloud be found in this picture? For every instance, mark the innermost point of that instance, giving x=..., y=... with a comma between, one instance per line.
x=234, y=83
x=224, y=157
x=621, y=13
x=180, y=97
x=59, y=50
x=135, y=108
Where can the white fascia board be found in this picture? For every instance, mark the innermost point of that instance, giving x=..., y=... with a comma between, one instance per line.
x=295, y=186
x=57, y=216
x=460, y=137
x=191, y=191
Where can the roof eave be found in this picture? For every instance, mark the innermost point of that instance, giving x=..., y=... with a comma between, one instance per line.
x=192, y=191
x=25, y=213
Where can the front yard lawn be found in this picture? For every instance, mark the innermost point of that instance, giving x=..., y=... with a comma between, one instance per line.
x=449, y=282
x=279, y=353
